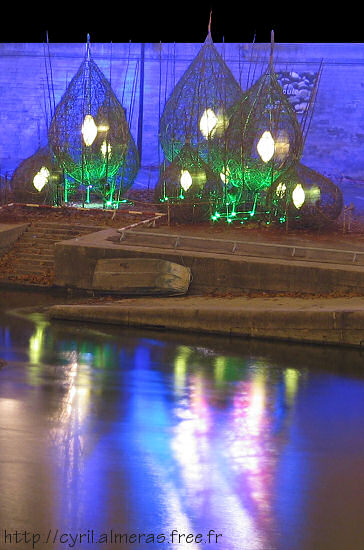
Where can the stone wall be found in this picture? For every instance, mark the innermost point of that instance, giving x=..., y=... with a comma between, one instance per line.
x=33, y=78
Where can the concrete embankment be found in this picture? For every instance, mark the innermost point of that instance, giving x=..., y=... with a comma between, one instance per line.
x=336, y=321
x=9, y=233
x=220, y=272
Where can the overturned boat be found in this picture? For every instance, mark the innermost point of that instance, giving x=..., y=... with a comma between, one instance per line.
x=141, y=276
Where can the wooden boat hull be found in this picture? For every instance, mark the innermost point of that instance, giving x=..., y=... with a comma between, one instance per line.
x=141, y=276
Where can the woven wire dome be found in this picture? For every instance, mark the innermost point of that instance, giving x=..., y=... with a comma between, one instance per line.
x=306, y=197
x=264, y=138
x=35, y=179
x=188, y=184
x=89, y=133
x=197, y=110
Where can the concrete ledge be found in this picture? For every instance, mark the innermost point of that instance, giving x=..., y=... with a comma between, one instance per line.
x=75, y=262
x=336, y=321
x=9, y=233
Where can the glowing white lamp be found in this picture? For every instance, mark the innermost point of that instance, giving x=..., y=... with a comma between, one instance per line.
x=41, y=178
x=266, y=146
x=186, y=180
x=105, y=148
x=89, y=130
x=298, y=196
x=280, y=190
x=208, y=123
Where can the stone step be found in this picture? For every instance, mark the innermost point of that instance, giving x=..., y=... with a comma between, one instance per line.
x=33, y=261
x=42, y=239
x=56, y=231
x=36, y=256
x=67, y=227
x=29, y=270
x=31, y=281
x=33, y=250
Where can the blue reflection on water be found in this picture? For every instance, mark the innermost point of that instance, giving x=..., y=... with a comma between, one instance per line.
x=147, y=435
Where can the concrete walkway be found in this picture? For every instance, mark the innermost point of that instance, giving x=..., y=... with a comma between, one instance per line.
x=338, y=321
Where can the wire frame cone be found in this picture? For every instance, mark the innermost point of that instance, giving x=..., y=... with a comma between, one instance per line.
x=197, y=110
x=89, y=102
x=307, y=197
x=264, y=138
x=35, y=178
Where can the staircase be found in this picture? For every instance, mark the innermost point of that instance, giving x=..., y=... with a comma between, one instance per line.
x=31, y=259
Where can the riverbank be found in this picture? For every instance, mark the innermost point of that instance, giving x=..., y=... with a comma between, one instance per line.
x=318, y=320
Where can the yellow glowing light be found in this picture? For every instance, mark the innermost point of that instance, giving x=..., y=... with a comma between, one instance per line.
x=208, y=123
x=103, y=128
x=225, y=175
x=220, y=369
x=180, y=367
x=291, y=379
x=186, y=180
x=41, y=178
x=315, y=194
x=281, y=147
x=298, y=196
x=36, y=342
x=265, y=146
x=281, y=189
x=89, y=130
x=106, y=148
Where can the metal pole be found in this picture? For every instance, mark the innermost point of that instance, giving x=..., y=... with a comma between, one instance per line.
x=141, y=102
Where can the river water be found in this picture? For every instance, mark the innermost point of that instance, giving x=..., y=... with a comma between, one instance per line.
x=115, y=438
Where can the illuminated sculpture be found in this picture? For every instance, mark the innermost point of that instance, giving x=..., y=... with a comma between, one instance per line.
x=188, y=184
x=197, y=110
x=89, y=133
x=305, y=197
x=36, y=179
x=264, y=138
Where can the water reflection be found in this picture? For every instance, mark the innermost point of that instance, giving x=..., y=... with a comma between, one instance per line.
x=146, y=433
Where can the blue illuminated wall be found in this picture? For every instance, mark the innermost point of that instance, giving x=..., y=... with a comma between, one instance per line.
x=30, y=73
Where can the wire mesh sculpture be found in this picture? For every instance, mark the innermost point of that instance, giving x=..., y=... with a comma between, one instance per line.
x=89, y=134
x=37, y=179
x=187, y=186
x=197, y=110
x=305, y=197
x=264, y=137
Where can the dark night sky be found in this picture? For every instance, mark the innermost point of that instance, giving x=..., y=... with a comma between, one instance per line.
x=159, y=21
